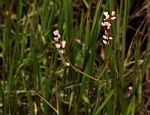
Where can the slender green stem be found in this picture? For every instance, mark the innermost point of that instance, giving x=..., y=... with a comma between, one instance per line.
x=78, y=70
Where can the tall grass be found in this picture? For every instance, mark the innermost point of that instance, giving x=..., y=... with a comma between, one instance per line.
x=35, y=79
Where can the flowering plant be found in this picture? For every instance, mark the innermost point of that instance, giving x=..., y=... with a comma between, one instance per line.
x=60, y=44
x=107, y=25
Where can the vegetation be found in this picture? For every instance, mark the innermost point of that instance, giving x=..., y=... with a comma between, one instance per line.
x=89, y=78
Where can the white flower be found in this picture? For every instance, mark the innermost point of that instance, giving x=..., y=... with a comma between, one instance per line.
x=106, y=14
x=57, y=45
x=63, y=43
x=105, y=42
x=56, y=39
x=102, y=23
x=105, y=23
x=105, y=37
x=113, y=18
x=62, y=51
x=110, y=38
x=67, y=64
x=113, y=13
x=56, y=33
x=130, y=88
x=108, y=26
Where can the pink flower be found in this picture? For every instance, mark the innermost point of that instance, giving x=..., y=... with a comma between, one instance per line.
x=113, y=13
x=60, y=44
x=113, y=18
x=105, y=24
x=108, y=26
x=107, y=16
x=56, y=32
x=56, y=39
x=106, y=32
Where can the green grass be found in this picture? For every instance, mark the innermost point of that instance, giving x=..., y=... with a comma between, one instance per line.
x=35, y=79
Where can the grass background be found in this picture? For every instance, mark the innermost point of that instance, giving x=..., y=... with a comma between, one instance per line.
x=35, y=81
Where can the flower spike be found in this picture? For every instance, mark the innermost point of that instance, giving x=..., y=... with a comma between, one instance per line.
x=60, y=44
x=106, y=24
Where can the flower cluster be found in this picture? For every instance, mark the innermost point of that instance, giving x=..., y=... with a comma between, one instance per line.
x=106, y=25
x=60, y=44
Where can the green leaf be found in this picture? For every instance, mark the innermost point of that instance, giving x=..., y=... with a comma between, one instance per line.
x=104, y=103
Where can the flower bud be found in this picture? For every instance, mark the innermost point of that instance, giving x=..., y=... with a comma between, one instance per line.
x=56, y=39
x=113, y=13
x=57, y=45
x=104, y=36
x=63, y=43
x=61, y=51
x=105, y=42
x=56, y=33
x=113, y=18
x=67, y=64
x=110, y=38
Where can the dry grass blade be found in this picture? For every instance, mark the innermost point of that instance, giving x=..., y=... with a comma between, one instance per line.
x=46, y=102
